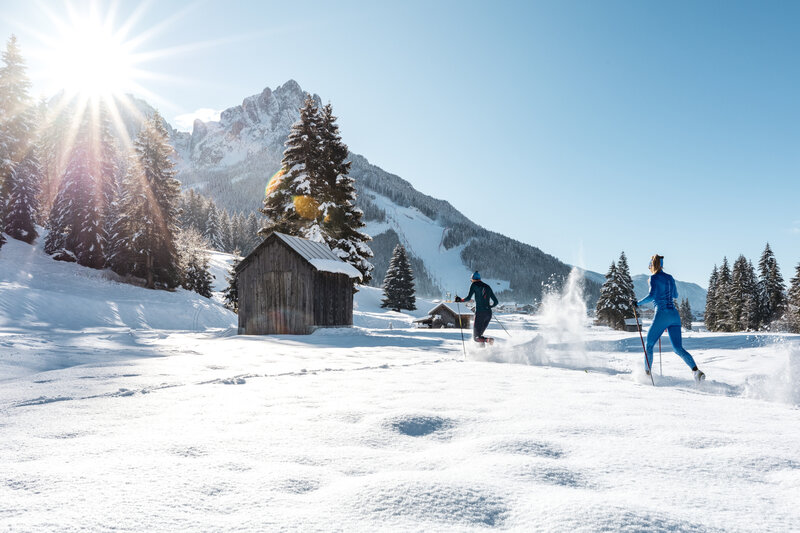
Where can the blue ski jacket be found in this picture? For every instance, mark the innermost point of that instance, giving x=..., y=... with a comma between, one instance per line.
x=662, y=291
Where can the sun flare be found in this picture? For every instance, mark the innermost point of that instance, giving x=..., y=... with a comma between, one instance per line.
x=91, y=60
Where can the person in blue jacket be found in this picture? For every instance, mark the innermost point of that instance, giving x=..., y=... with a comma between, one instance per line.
x=663, y=293
x=484, y=301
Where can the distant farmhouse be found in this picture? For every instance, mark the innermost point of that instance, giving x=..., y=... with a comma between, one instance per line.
x=447, y=315
x=289, y=285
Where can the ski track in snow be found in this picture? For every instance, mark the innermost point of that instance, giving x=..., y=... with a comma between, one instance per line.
x=163, y=420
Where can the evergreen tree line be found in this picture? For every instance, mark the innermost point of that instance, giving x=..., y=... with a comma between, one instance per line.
x=223, y=231
x=739, y=299
x=313, y=196
x=103, y=207
x=617, y=296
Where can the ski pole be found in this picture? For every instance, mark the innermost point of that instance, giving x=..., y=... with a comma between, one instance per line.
x=461, y=330
x=660, y=368
x=501, y=325
x=639, y=327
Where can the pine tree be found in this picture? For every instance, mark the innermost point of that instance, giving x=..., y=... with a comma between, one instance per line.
x=149, y=211
x=772, y=290
x=611, y=306
x=793, y=303
x=341, y=217
x=722, y=298
x=193, y=256
x=686, y=314
x=225, y=232
x=231, y=293
x=710, y=315
x=290, y=206
x=237, y=233
x=119, y=226
x=212, y=227
x=743, y=294
x=626, y=285
x=17, y=126
x=76, y=223
x=252, y=238
x=398, y=285
x=23, y=199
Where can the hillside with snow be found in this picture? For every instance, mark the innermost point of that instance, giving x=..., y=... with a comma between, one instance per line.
x=129, y=409
x=232, y=159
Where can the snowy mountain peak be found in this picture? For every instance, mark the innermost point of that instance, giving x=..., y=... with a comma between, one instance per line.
x=243, y=132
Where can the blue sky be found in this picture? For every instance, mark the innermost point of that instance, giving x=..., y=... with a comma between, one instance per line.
x=581, y=127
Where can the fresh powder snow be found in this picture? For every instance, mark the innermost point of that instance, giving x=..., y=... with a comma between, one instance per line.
x=128, y=409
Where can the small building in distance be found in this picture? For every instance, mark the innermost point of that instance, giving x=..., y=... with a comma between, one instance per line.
x=632, y=324
x=290, y=285
x=447, y=315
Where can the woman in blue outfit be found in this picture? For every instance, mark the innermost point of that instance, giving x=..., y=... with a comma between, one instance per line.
x=663, y=294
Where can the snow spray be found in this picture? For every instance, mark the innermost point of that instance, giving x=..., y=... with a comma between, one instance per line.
x=782, y=383
x=561, y=336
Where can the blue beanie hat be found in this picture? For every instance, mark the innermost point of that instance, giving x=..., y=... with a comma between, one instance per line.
x=476, y=275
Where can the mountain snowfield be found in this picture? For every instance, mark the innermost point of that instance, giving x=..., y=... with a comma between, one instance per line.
x=129, y=409
x=422, y=237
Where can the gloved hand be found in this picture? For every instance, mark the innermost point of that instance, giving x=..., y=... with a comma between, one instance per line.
x=458, y=299
x=634, y=303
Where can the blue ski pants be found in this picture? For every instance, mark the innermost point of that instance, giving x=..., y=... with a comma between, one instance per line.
x=670, y=320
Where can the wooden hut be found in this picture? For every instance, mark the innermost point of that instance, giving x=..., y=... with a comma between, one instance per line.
x=449, y=315
x=292, y=285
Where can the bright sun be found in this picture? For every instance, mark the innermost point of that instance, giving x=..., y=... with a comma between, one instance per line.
x=92, y=61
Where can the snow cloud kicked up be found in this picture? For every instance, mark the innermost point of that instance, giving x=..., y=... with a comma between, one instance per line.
x=561, y=336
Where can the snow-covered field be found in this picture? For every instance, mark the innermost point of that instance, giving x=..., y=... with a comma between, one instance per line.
x=128, y=409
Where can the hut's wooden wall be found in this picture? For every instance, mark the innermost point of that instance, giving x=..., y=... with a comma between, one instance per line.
x=333, y=299
x=275, y=292
x=449, y=316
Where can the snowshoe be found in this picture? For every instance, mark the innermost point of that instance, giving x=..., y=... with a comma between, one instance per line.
x=483, y=341
x=699, y=375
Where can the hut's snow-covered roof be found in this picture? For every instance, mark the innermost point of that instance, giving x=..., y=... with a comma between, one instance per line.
x=317, y=254
x=452, y=306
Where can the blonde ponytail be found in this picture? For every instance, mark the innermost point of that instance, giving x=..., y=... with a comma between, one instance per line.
x=656, y=262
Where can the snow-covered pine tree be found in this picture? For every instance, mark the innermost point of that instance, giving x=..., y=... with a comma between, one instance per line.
x=17, y=121
x=56, y=137
x=225, y=232
x=231, y=293
x=342, y=222
x=610, y=306
x=743, y=296
x=398, y=285
x=722, y=298
x=793, y=302
x=710, y=315
x=23, y=198
x=290, y=206
x=626, y=284
x=212, y=225
x=194, y=262
x=153, y=207
x=237, y=233
x=252, y=238
x=118, y=227
x=76, y=226
x=685, y=311
x=772, y=289
x=109, y=155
